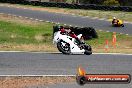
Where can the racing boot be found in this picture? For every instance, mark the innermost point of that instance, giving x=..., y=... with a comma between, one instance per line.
x=80, y=43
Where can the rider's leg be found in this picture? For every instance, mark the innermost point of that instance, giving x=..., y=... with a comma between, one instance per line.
x=79, y=41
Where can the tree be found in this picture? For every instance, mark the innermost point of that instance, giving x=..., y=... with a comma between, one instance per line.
x=71, y=1
x=111, y=2
x=125, y=2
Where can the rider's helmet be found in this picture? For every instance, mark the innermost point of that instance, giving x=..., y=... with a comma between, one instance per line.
x=114, y=18
x=59, y=27
x=67, y=27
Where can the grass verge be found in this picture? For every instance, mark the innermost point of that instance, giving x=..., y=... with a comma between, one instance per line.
x=126, y=16
x=27, y=35
x=19, y=34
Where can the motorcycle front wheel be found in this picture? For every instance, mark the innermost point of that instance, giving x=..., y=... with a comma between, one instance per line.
x=122, y=25
x=88, y=50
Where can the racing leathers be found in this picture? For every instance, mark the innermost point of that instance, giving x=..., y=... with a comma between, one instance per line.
x=71, y=34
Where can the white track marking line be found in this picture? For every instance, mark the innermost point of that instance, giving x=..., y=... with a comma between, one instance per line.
x=112, y=53
x=25, y=8
x=41, y=20
x=48, y=21
x=20, y=16
x=36, y=19
x=9, y=14
x=1, y=13
x=95, y=18
x=26, y=17
x=60, y=52
x=31, y=18
x=107, y=31
x=102, y=19
x=73, y=14
x=14, y=15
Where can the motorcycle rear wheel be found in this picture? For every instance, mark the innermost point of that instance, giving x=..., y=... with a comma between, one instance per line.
x=64, y=49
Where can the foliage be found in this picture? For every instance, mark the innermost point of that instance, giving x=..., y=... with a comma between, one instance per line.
x=111, y=2
x=108, y=2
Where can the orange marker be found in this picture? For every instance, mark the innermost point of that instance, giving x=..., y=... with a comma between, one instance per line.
x=106, y=46
x=114, y=40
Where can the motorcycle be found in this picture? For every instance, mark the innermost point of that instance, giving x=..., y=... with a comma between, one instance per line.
x=69, y=45
x=117, y=23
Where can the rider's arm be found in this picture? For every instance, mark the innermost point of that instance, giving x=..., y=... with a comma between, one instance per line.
x=73, y=35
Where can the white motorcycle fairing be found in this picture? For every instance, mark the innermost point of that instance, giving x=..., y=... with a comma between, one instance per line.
x=71, y=41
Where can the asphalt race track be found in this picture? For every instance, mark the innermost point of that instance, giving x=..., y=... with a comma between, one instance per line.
x=27, y=63
x=66, y=19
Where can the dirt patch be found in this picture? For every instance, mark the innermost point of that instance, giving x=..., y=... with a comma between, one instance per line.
x=122, y=46
x=113, y=50
x=29, y=47
x=52, y=48
x=39, y=37
x=25, y=82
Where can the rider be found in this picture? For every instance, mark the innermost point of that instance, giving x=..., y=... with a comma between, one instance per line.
x=115, y=20
x=67, y=30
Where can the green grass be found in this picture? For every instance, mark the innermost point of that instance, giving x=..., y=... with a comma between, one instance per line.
x=11, y=32
x=19, y=35
x=122, y=40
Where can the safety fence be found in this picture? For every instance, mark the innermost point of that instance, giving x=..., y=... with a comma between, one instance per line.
x=72, y=6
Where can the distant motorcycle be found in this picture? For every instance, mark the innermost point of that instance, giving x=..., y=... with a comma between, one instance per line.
x=68, y=45
x=117, y=23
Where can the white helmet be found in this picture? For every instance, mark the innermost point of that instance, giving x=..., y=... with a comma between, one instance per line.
x=114, y=17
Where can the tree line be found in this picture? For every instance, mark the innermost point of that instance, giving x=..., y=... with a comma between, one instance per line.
x=103, y=2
